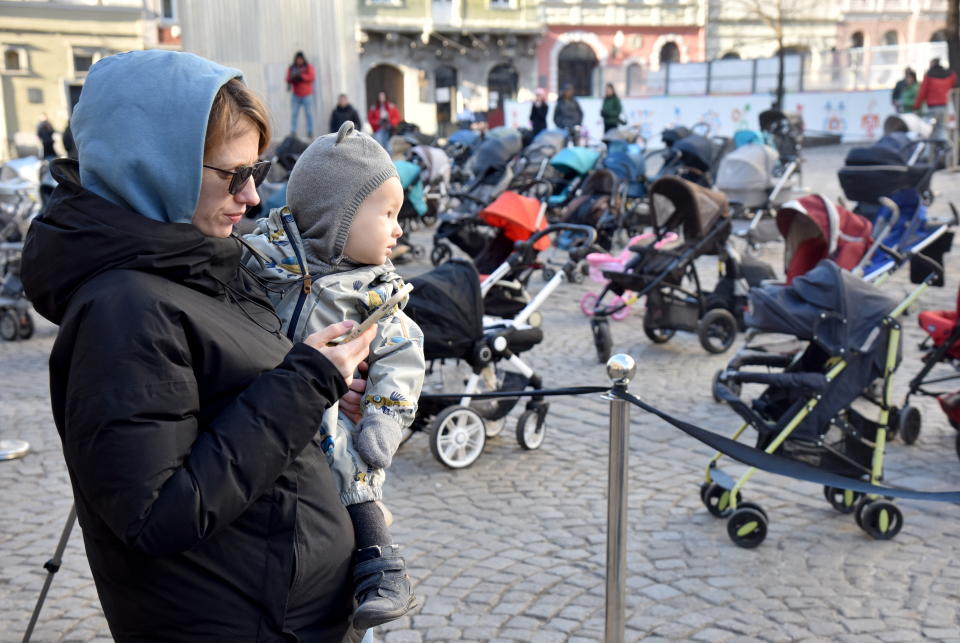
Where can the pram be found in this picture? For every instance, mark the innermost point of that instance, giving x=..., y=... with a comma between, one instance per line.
x=20, y=183
x=15, y=320
x=533, y=161
x=852, y=340
x=413, y=210
x=448, y=304
x=569, y=167
x=490, y=176
x=668, y=277
x=891, y=164
x=597, y=205
x=695, y=158
x=627, y=163
x=435, y=175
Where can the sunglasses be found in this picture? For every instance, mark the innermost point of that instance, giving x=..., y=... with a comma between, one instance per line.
x=242, y=174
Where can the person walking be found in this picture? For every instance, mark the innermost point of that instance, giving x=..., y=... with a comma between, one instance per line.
x=383, y=116
x=897, y=94
x=300, y=76
x=908, y=92
x=342, y=113
x=934, y=92
x=538, y=112
x=611, y=109
x=567, y=113
x=188, y=420
x=45, y=133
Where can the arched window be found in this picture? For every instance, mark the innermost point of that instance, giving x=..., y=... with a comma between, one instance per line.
x=445, y=93
x=730, y=55
x=11, y=60
x=575, y=66
x=502, y=83
x=940, y=35
x=856, y=40
x=669, y=53
x=634, y=79
x=890, y=38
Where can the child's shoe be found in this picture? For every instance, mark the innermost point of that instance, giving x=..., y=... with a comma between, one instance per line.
x=382, y=586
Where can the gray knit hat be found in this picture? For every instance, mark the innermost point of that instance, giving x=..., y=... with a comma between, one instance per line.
x=329, y=182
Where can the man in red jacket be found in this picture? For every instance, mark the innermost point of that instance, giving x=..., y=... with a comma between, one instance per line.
x=300, y=77
x=935, y=92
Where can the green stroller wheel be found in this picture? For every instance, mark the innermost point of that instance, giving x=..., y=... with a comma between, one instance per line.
x=717, y=500
x=881, y=520
x=747, y=527
x=843, y=500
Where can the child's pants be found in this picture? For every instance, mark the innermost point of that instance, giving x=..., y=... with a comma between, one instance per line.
x=357, y=481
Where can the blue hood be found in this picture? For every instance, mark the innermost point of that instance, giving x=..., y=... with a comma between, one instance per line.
x=140, y=126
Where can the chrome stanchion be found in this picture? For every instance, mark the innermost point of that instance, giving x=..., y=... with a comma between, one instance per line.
x=621, y=369
x=11, y=449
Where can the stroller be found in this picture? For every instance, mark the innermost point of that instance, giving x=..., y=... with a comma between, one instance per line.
x=891, y=164
x=533, y=161
x=569, y=167
x=435, y=171
x=852, y=342
x=667, y=276
x=448, y=304
x=491, y=174
x=15, y=320
x=626, y=162
x=597, y=205
x=414, y=207
x=695, y=158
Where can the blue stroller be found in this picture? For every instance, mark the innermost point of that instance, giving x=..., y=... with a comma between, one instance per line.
x=570, y=167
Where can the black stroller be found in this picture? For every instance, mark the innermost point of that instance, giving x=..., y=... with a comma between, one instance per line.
x=668, y=278
x=490, y=176
x=15, y=320
x=853, y=343
x=891, y=164
x=695, y=158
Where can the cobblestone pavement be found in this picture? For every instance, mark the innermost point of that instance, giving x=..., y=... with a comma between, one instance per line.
x=513, y=548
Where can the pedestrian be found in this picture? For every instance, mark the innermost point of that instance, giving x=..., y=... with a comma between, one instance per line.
x=45, y=133
x=908, y=92
x=567, y=113
x=343, y=199
x=935, y=92
x=68, y=145
x=383, y=116
x=342, y=113
x=538, y=112
x=300, y=76
x=897, y=94
x=188, y=420
x=611, y=109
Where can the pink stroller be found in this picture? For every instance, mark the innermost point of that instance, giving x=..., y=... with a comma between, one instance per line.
x=600, y=261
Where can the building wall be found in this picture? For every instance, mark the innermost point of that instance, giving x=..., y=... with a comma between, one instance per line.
x=47, y=34
x=909, y=29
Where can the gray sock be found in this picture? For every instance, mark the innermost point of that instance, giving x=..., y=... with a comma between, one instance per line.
x=369, y=525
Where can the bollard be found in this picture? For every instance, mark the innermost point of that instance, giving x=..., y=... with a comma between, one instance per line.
x=621, y=369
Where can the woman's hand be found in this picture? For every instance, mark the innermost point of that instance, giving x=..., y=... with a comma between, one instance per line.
x=347, y=356
x=350, y=402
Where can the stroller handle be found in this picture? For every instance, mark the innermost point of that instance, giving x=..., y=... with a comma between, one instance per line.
x=588, y=231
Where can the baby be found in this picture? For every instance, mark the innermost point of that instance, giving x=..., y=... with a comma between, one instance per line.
x=325, y=258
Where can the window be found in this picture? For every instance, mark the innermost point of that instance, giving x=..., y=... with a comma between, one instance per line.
x=856, y=40
x=634, y=79
x=15, y=60
x=168, y=10
x=669, y=53
x=890, y=38
x=940, y=35
x=386, y=3
x=34, y=95
x=503, y=4
x=84, y=58
x=575, y=66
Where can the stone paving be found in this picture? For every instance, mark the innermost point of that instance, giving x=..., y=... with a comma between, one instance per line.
x=513, y=548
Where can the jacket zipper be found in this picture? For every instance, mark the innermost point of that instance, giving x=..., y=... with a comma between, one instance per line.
x=307, y=282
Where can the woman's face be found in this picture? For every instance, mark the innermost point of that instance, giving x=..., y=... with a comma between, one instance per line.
x=381, y=98
x=218, y=210
x=609, y=90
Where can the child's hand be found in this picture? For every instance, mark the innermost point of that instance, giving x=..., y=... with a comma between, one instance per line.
x=347, y=356
x=350, y=402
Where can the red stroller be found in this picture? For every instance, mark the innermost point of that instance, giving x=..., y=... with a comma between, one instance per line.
x=941, y=345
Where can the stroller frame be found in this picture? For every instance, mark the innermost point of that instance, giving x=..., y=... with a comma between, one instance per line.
x=721, y=492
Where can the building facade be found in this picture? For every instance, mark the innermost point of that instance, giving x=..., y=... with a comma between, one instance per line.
x=49, y=46
x=748, y=28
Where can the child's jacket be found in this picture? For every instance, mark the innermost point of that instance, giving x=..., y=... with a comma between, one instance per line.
x=307, y=303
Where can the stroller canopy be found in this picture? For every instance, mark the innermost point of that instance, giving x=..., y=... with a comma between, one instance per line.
x=626, y=133
x=409, y=174
x=892, y=149
x=813, y=229
x=697, y=151
x=746, y=137
x=518, y=216
x=828, y=305
x=436, y=163
x=556, y=138
x=578, y=160
x=447, y=305
x=676, y=202
x=671, y=135
x=466, y=137
x=749, y=167
x=492, y=157
x=510, y=137
x=908, y=124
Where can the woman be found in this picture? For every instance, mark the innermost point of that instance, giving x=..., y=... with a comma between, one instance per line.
x=538, y=113
x=908, y=93
x=300, y=77
x=188, y=422
x=611, y=109
x=383, y=117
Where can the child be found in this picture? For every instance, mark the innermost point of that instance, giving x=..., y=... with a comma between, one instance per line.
x=329, y=252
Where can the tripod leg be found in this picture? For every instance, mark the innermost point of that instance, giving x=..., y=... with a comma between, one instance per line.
x=52, y=566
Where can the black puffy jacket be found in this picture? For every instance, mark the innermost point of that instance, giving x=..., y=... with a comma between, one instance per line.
x=189, y=431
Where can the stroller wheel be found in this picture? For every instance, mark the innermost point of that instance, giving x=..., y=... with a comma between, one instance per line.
x=602, y=340
x=9, y=325
x=717, y=500
x=530, y=430
x=747, y=527
x=26, y=326
x=428, y=219
x=843, y=500
x=547, y=273
x=659, y=335
x=440, y=253
x=717, y=330
x=457, y=436
x=881, y=520
x=908, y=424
x=735, y=387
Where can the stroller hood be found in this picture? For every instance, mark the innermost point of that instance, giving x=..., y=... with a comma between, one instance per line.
x=892, y=149
x=555, y=138
x=518, y=216
x=829, y=306
x=697, y=151
x=813, y=229
x=909, y=124
x=671, y=135
x=578, y=160
x=436, y=163
x=676, y=202
x=447, y=305
x=466, y=137
x=409, y=174
x=749, y=167
x=625, y=160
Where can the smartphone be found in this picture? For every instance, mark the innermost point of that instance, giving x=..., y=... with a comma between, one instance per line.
x=374, y=317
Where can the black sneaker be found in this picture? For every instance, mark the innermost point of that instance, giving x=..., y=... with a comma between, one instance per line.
x=382, y=586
